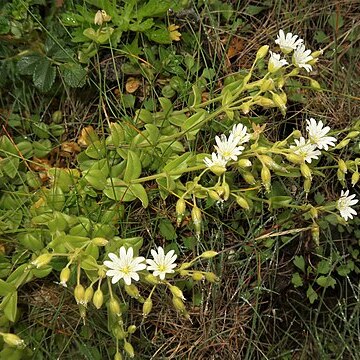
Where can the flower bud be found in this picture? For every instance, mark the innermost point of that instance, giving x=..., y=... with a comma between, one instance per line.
x=279, y=102
x=100, y=17
x=226, y=188
x=314, y=84
x=131, y=329
x=211, y=277
x=218, y=170
x=176, y=292
x=151, y=279
x=118, y=356
x=296, y=134
x=147, y=307
x=262, y=52
x=244, y=163
x=267, y=84
x=242, y=202
x=342, y=144
x=65, y=276
x=317, y=53
x=114, y=307
x=307, y=185
x=13, y=340
x=245, y=107
x=180, y=210
x=99, y=241
x=342, y=166
x=281, y=82
x=119, y=332
x=197, y=276
x=132, y=291
x=248, y=177
x=354, y=178
x=265, y=102
x=313, y=212
x=305, y=171
x=102, y=272
x=266, y=177
x=178, y=304
x=294, y=158
x=89, y=292
x=79, y=294
x=341, y=177
x=208, y=254
x=185, y=265
x=315, y=233
x=129, y=349
x=196, y=218
x=214, y=195
x=42, y=260
x=98, y=298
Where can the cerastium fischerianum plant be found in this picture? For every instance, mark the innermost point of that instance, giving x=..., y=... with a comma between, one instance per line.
x=67, y=229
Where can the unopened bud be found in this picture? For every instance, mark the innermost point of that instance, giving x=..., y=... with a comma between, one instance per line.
x=114, y=307
x=211, y=277
x=131, y=329
x=342, y=144
x=296, y=134
x=307, y=185
x=151, y=279
x=305, y=171
x=279, y=102
x=313, y=212
x=197, y=276
x=185, y=265
x=101, y=272
x=178, y=304
x=65, y=276
x=315, y=233
x=267, y=84
x=118, y=356
x=208, y=254
x=147, y=307
x=265, y=102
x=99, y=241
x=342, y=166
x=129, y=349
x=317, y=53
x=248, y=177
x=244, y=163
x=294, y=158
x=132, y=291
x=245, y=107
x=314, y=84
x=176, y=292
x=262, y=52
x=266, y=177
x=218, y=170
x=341, y=177
x=352, y=134
x=196, y=218
x=98, y=298
x=79, y=294
x=180, y=210
x=89, y=292
x=214, y=195
x=13, y=340
x=354, y=178
x=119, y=332
x=242, y=202
x=42, y=260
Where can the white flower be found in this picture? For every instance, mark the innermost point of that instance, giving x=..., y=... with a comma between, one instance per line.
x=344, y=205
x=301, y=57
x=288, y=42
x=124, y=266
x=317, y=133
x=305, y=149
x=162, y=264
x=240, y=131
x=228, y=147
x=275, y=63
x=216, y=160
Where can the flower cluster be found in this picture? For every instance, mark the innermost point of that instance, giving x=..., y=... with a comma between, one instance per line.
x=317, y=139
x=126, y=266
x=288, y=43
x=227, y=148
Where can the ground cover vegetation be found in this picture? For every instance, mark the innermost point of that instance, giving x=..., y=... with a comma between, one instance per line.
x=179, y=180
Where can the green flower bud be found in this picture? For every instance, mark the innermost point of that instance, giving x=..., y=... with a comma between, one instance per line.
x=294, y=158
x=267, y=84
x=197, y=276
x=208, y=254
x=176, y=292
x=89, y=292
x=196, y=218
x=342, y=144
x=214, y=195
x=296, y=134
x=118, y=356
x=102, y=272
x=341, y=177
x=42, y=260
x=79, y=294
x=314, y=213
x=114, y=307
x=315, y=233
x=119, y=332
x=98, y=298
x=352, y=134
x=342, y=166
x=245, y=107
x=65, y=276
x=315, y=85
x=305, y=171
x=317, y=53
x=354, y=178
x=279, y=102
x=129, y=349
x=244, y=163
x=211, y=277
x=242, y=202
x=248, y=177
x=13, y=340
x=131, y=329
x=265, y=102
x=132, y=291
x=262, y=52
x=99, y=241
x=180, y=210
x=185, y=265
x=147, y=307
x=151, y=279
x=266, y=178
x=307, y=185
x=218, y=170
x=178, y=304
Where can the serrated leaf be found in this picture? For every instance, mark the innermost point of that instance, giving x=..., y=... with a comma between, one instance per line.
x=311, y=294
x=326, y=281
x=323, y=267
x=74, y=74
x=296, y=280
x=44, y=75
x=300, y=262
x=154, y=8
x=27, y=64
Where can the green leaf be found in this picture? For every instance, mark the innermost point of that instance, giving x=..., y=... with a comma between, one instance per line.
x=193, y=124
x=89, y=263
x=9, y=166
x=6, y=288
x=96, y=178
x=97, y=150
x=4, y=25
x=27, y=64
x=336, y=21
x=160, y=36
x=296, y=280
x=118, y=190
x=133, y=166
x=326, y=281
x=300, y=262
x=10, y=306
x=323, y=267
x=167, y=229
x=311, y=294
x=139, y=191
x=44, y=75
x=74, y=74
x=154, y=8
